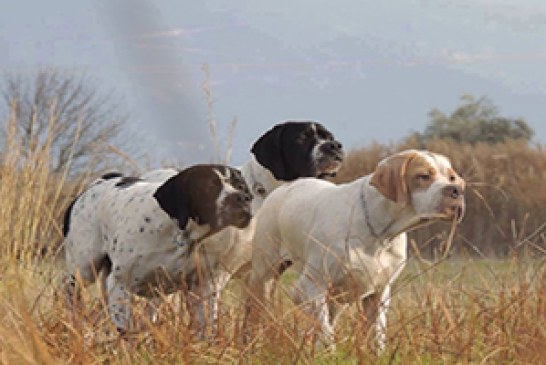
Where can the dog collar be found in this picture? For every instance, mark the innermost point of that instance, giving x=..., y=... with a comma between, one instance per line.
x=365, y=207
x=182, y=238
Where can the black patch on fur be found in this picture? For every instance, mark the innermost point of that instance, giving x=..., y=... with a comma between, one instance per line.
x=127, y=181
x=111, y=175
x=287, y=149
x=107, y=265
x=67, y=216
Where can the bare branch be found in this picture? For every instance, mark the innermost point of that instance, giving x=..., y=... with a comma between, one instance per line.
x=76, y=106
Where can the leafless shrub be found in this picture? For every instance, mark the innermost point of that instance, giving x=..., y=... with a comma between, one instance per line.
x=86, y=121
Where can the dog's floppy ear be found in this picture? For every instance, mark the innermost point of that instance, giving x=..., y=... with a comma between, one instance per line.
x=389, y=177
x=268, y=151
x=173, y=199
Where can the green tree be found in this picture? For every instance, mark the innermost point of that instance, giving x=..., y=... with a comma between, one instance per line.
x=476, y=120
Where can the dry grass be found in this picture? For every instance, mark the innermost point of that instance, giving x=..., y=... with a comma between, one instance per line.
x=460, y=311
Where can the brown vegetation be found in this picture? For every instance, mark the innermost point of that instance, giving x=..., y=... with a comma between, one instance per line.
x=459, y=311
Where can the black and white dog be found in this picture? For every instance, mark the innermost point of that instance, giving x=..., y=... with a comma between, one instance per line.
x=140, y=234
x=288, y=151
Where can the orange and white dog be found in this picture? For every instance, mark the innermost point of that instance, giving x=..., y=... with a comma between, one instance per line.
x=348, y=242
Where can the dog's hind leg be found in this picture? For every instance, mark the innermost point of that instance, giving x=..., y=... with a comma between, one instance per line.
x=334, y=310
x=259, y=283
x=80, y=274
x=105, y=271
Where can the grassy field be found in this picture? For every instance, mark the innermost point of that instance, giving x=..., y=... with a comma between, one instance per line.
x=463, y=311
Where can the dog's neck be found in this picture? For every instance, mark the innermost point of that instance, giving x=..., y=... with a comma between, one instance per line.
x=395, y=218
x=260, y=181
x=192, y=234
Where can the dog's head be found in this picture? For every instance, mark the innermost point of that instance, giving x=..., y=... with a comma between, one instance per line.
x=424, y=180
x=215, y=195
x=295, y=149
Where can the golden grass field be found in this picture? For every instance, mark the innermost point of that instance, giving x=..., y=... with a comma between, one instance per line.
x=485, y=305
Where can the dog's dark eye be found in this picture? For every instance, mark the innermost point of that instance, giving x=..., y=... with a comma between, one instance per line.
x=325, y=136
x=452, y=178
x=239, y=185
x=258, y=190
x=423, y=177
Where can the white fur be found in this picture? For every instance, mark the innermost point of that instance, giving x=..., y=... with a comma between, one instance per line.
x=321, y=227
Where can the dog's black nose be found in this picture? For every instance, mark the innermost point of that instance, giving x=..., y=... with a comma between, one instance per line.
x=333, y=146
x=453, y=191
x=244, y=197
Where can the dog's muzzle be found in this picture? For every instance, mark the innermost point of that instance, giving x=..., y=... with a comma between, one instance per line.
x=453, y=202
x=330, y=158
x=242, y=212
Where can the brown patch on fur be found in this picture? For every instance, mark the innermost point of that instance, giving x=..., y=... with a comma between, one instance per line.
x=193, y=192
x=389, y=177
x=420, y=174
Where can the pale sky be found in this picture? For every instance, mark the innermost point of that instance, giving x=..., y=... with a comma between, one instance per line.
x=368, y=70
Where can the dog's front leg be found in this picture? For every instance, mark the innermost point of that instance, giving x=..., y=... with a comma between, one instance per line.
x=323, y=315
x=381, y=323
x=215, y=290
x=72, y=292
x=203, y=307
x=203, y=303
x=313, y=299
x=119, y=305
x=196, y=308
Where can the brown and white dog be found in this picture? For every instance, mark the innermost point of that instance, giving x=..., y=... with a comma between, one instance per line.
x=348, y=242
x=140, y=234
x=290, y=150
